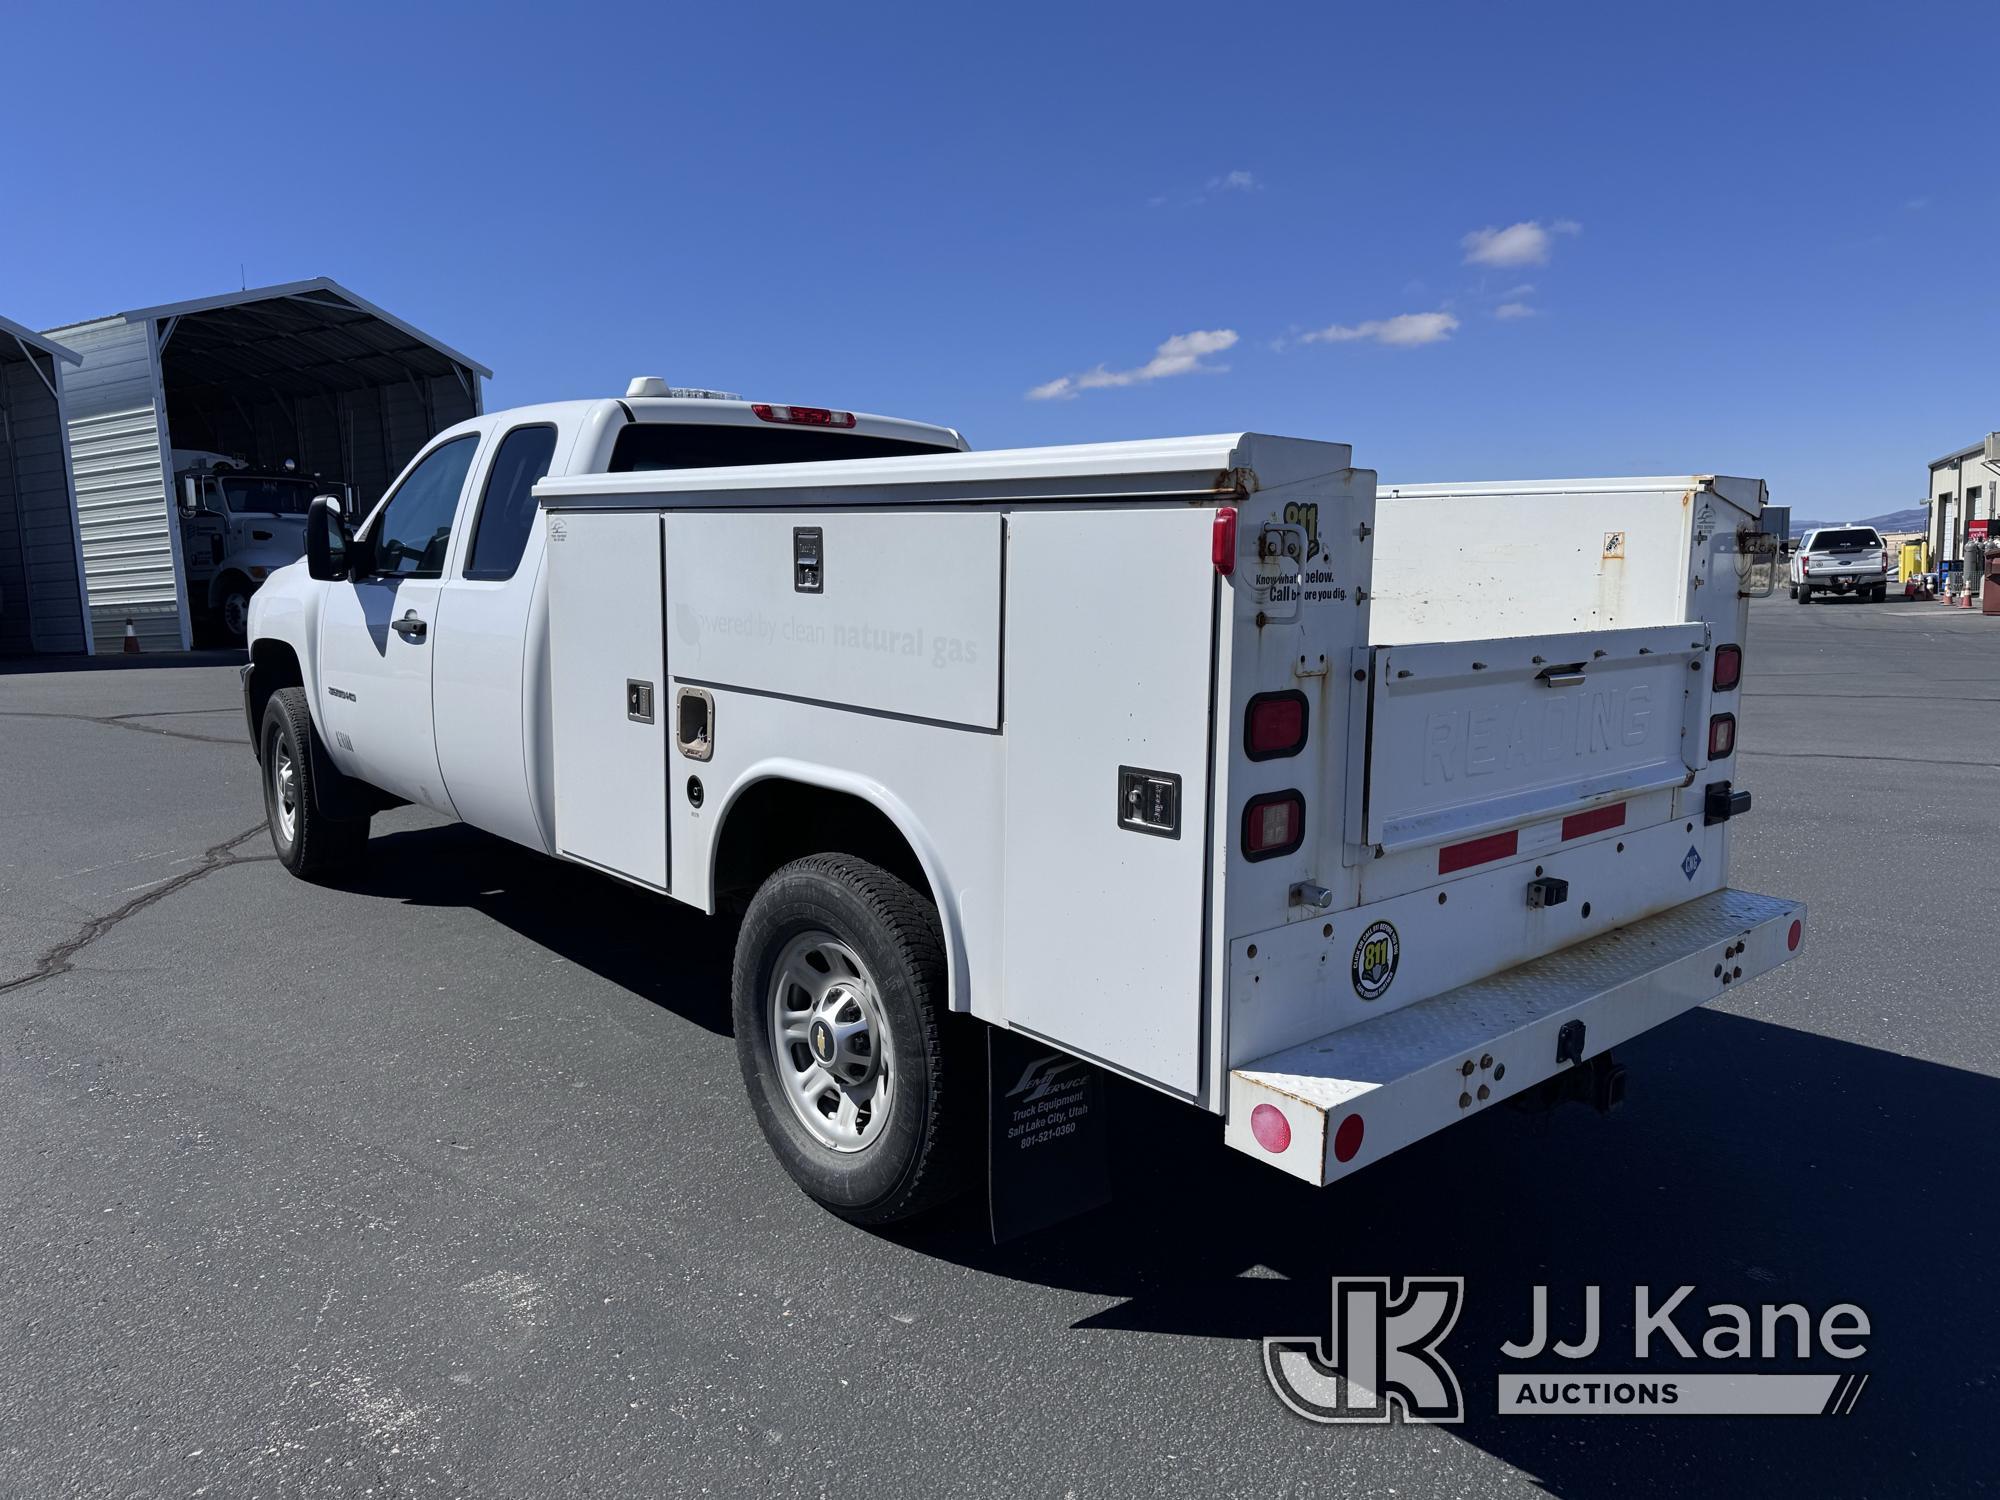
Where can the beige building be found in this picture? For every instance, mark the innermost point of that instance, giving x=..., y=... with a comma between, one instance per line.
x=1961, y=496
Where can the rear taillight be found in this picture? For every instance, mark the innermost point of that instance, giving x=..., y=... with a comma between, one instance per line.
x=1805, y=562
x=1721, y=736
x=1274, y=725
x=1728, y=667
x=803, y=416
x=1273, y=824
x=1222, y=543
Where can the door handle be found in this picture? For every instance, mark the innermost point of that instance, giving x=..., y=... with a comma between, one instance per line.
x=410, y=627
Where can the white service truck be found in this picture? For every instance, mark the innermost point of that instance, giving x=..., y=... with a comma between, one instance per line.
x=1341, y=817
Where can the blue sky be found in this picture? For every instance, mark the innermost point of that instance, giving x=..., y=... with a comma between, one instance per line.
x=1475, y=241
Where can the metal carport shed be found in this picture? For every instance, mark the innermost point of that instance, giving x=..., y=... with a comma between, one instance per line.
x=41, y=556
x=307, y=371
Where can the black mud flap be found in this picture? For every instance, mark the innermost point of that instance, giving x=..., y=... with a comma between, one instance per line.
x=1047, y=1149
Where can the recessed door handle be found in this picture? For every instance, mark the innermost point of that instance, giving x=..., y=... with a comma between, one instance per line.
x=410, y=627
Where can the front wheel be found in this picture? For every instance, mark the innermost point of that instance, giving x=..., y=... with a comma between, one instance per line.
x=234, y=615
x=309, y=843
x=845, y=1043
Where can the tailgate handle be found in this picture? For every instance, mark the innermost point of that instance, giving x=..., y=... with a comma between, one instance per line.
x=1569, y=676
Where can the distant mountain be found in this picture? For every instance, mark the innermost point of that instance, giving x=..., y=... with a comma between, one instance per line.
x=1913, y=519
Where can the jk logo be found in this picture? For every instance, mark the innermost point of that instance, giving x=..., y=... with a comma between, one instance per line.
x=1382, y=1353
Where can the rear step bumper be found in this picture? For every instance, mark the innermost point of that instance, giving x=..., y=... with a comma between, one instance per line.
x=1412, y=1072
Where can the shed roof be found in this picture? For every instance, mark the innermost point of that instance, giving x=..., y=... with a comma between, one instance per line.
x=15, y=341
x=300, y=336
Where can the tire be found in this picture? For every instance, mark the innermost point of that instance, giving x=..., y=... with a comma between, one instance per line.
x=848, y=962
x=1795, y=592
x=232, y=614
x=1802, y=594
x=310, y=844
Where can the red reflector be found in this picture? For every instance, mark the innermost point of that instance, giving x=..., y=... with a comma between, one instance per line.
x=1347, y=1139
x=803, y=416
x=1728, y=667
x=1722, y=736
x=1792, y=937
x=1576, y=825
x=1274, y=724
x=1478, y=851
x=1222, y=545
x=1272, y=1129
x=1274, y=825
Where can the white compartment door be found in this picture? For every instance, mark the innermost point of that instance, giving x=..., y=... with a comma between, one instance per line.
x=1110, y=635
x=1470, y=737
x=608, y=691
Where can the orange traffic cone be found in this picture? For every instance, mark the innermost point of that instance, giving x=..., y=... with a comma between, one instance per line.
x=131, y=640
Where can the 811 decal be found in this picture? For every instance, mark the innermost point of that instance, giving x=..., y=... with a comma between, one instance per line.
x=1375, y=958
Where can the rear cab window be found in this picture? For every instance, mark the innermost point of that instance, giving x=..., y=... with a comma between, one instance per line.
x=647, y=446
x=1845, y=539
x=507, y=507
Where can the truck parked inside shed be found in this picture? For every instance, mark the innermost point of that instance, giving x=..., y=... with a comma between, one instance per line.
x=238, y=526
x=1189, y=758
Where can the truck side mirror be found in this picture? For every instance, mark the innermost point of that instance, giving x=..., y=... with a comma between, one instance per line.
x=326, y=540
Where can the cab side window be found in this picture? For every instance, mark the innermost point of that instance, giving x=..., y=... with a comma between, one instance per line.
x=507, y=509
x=413, y=530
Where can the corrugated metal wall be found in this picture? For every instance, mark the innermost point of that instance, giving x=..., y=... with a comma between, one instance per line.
x=43, y=606
x=131, y=534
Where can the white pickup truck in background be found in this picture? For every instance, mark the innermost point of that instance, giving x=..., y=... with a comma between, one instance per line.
x=1323, y=812
x=1841, y=560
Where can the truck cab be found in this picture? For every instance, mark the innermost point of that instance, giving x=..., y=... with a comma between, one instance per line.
x=426, y=664
x=238, y=526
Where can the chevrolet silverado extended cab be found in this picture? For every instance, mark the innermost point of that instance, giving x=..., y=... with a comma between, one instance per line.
x=1195, y=760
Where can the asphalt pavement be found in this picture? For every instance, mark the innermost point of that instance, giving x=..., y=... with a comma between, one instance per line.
x=444, y=1183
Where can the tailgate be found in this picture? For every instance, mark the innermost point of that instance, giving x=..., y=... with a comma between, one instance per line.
x=1471, y=737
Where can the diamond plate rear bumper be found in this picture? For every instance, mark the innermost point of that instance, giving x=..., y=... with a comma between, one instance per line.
x=1414, y=1071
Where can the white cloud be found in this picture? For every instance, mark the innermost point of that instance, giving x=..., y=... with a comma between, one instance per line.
x=1180, y=355
x=1510, y=310
x=1404, y=331
x=1237, y=181
x=1524, y=244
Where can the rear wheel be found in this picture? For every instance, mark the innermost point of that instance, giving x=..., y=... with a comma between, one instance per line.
x=309, y=843
x=845, y=1043
x=1803, y=594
